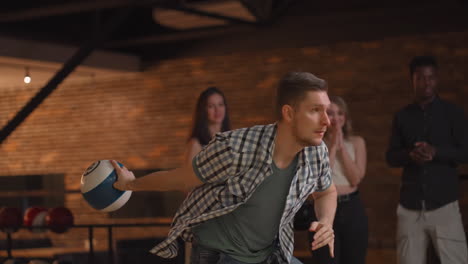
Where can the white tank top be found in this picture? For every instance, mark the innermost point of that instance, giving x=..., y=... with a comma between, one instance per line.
x=338, y=175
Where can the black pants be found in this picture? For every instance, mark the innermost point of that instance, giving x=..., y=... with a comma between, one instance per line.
x=351, y=234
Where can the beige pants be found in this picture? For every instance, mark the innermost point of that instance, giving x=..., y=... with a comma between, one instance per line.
x=442, y=227
x=188, y=252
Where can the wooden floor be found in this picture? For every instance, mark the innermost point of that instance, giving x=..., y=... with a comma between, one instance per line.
x=381, y=256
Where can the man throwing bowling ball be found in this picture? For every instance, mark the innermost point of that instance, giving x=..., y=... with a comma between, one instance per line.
x=249, y=183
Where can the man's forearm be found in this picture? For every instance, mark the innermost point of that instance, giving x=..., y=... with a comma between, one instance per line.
x=325, y=205
x=181, y=179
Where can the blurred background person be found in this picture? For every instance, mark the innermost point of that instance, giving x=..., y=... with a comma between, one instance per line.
x=211, y=116
x=348, y=160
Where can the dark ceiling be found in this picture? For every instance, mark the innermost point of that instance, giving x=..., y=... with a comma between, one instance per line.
x=74, y=22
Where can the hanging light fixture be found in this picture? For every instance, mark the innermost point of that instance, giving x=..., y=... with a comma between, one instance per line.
x=27, y=77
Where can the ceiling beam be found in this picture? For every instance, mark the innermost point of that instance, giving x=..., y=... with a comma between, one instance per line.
x=179, y=36
x=199, y=12
x=91, y=6
x=261, y=9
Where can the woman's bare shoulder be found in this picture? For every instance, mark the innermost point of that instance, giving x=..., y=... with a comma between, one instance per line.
x=357, y=140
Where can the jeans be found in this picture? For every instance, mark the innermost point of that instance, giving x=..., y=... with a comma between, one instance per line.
x=203, y=255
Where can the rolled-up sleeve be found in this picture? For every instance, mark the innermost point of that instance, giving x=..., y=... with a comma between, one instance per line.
x=214, y=163
x=324, y=181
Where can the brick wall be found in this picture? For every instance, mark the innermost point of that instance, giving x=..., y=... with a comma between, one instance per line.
x=143, y=119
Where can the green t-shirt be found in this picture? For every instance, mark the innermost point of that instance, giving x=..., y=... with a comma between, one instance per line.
x=247, y=234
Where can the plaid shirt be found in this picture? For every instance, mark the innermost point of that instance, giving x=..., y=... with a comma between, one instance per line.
x=232, y=166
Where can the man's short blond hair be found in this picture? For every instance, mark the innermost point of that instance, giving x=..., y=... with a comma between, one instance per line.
x=294, y=86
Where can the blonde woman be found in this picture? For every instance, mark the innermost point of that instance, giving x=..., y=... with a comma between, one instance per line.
x=348, y=160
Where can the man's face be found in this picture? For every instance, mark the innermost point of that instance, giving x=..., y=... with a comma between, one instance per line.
x=310, y=119
x=424, y=81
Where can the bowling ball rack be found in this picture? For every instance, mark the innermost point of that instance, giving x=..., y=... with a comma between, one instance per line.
x=91, y=255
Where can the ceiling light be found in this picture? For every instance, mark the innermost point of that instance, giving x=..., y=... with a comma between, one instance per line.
x=27, y=78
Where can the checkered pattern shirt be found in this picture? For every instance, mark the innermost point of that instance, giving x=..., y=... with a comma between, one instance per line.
x=232, y=166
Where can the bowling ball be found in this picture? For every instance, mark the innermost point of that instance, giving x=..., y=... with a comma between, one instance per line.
x=97, y=187
x=34, y=218
x=59, y=219
x=10, y=219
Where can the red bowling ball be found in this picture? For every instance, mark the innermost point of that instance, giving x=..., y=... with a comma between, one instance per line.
x=59, y=219
x=10, y=219
x=34, y=218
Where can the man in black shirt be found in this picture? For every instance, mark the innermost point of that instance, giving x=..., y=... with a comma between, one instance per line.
x=429, y=139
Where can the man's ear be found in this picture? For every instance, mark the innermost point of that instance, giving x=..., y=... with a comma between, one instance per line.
x=288, y=112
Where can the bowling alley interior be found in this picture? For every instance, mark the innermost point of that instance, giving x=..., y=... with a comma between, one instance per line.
x=85, y=82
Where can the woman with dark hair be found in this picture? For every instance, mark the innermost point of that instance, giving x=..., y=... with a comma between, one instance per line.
x=211, y=116
x=348, y=158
